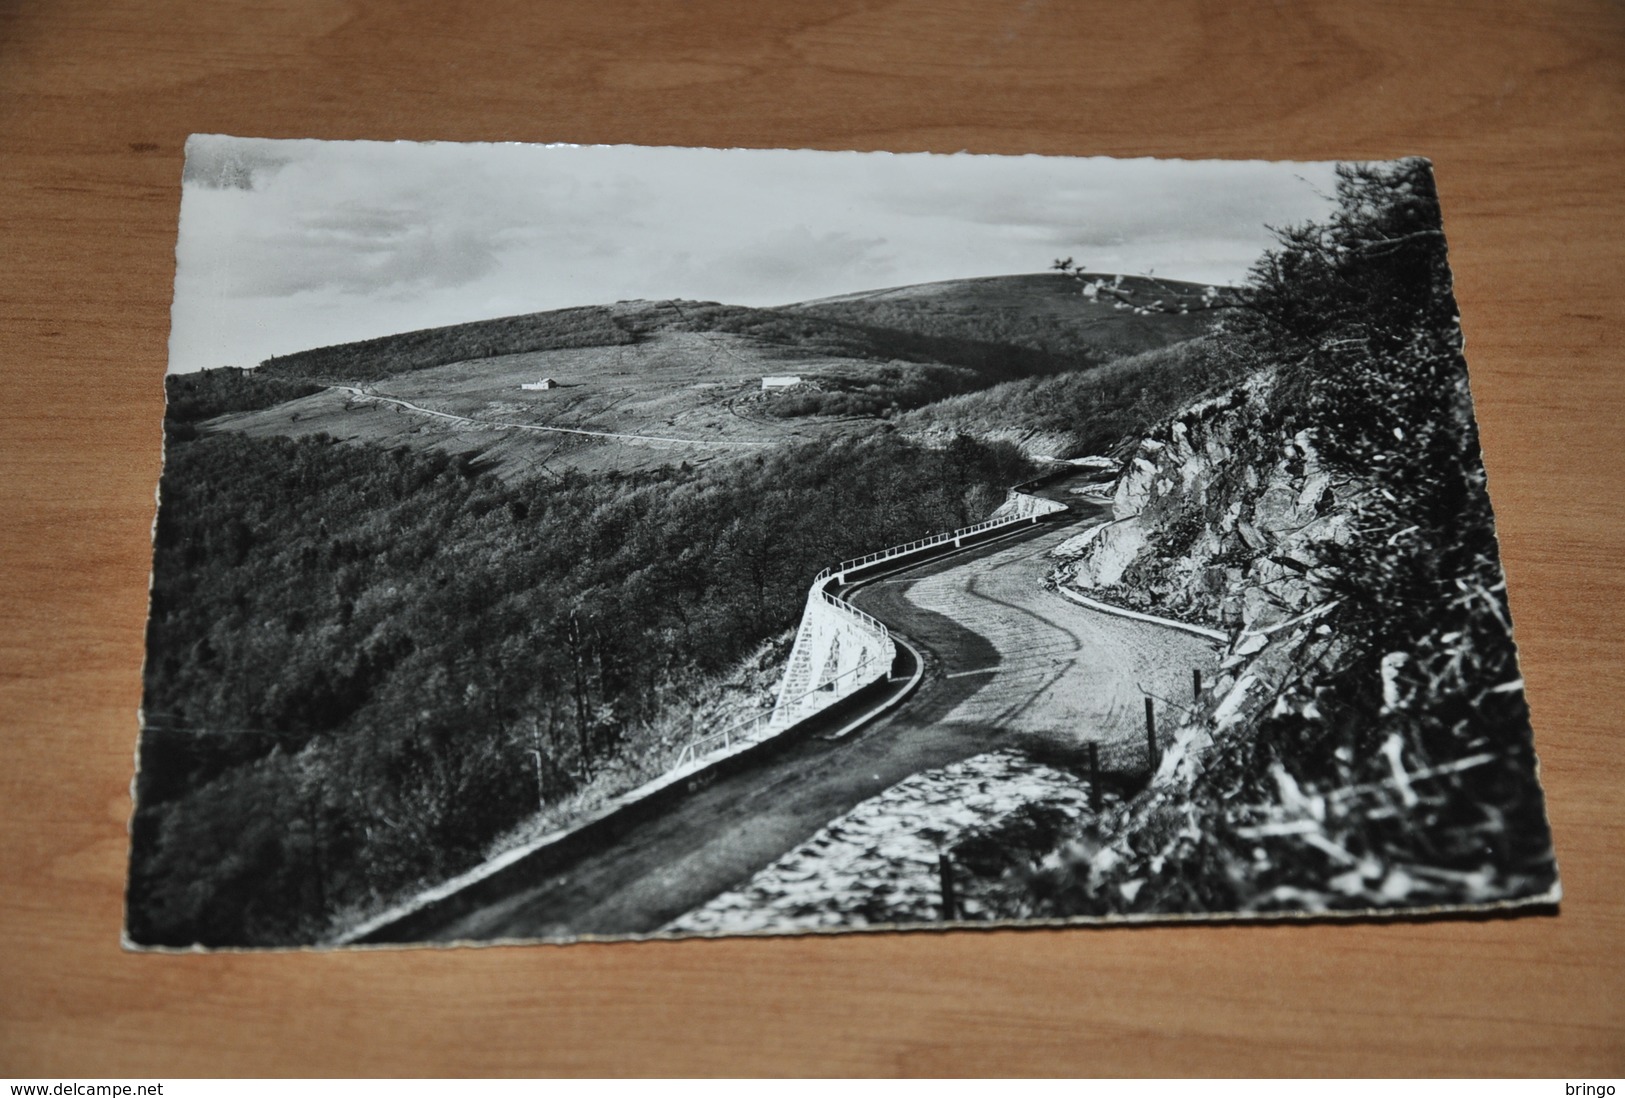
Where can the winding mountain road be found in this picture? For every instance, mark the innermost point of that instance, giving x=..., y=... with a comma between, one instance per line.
x=1048, y=674
x=1007, y=664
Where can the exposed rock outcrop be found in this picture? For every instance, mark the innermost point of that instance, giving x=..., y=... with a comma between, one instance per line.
x=1216, y=520
x=1221, y=519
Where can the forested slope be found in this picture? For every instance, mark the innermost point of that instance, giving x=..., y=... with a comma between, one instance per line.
x=353, y=652
x=1088, y=412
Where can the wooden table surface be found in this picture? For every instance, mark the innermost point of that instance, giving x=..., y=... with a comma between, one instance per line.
x=1519, y=104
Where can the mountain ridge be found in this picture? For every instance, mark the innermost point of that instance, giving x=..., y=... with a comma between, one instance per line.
x=620, y=323
x=689, y=372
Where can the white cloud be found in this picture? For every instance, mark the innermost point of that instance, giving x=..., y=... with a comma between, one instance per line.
x=292, y=244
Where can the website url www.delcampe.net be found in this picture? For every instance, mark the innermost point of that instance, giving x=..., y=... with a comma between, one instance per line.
x=91, y=1090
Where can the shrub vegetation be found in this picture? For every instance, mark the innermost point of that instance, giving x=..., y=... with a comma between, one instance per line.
x=1096, y=410
x=1356, y=318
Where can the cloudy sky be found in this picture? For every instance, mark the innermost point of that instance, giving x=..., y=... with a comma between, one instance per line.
x=286, y=245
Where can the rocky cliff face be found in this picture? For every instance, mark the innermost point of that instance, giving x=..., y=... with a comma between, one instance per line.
x=1214, y=521
x=1365, y=744
x=1220, y=520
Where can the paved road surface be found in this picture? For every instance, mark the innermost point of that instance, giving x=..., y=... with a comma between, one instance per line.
x=1006, y=663
x=1049, y=674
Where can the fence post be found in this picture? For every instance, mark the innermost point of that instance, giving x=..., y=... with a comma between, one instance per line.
x=536, y=752
x=945, y=874
x=1154, y=755
x=1094, y=777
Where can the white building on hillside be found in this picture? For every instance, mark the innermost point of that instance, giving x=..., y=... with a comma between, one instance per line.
x=545, y=383
x=783, y=382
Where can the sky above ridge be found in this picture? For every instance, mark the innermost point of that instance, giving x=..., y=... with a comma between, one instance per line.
x=287, y=245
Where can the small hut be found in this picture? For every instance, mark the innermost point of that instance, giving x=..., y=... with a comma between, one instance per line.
x=545, y=383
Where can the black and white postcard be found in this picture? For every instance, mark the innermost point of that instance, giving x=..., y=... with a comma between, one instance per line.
x=565, y=542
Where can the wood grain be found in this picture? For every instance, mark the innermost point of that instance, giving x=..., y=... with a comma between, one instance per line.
x=1519, y=104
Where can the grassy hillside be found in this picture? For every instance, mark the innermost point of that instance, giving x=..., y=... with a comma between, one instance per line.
x=775, y=331
x=869, y=354
x=1040, y=312
x=200, y=396
x=192, y=398
x=1088, y=412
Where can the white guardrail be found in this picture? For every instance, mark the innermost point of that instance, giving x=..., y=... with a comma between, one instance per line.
x=1023, y=507
x=840, y=570
x=809, y=686
x=745, y=730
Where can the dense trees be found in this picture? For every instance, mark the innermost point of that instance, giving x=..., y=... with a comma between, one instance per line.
x=372, y=359
x=209, y=393
x=354, y=653
x=1095, y=410
x=1360, y=316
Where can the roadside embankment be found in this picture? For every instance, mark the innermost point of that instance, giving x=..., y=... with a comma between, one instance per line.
x=881, y=864
x=839, y=648
x=849, y=683
x=426, y=915
x=1032, y=703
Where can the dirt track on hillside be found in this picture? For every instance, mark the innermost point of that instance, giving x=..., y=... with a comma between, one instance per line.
x=673, y=397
